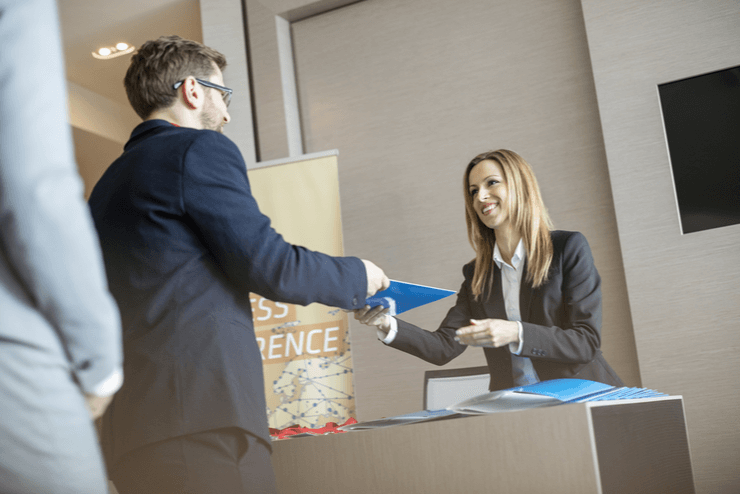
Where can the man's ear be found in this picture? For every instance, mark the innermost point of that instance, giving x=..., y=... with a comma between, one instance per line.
x=191, y=93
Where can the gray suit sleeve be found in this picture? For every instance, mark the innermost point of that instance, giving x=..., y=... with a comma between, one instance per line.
x=46, y=233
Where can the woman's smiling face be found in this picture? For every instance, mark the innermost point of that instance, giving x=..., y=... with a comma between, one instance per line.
x=488, y=191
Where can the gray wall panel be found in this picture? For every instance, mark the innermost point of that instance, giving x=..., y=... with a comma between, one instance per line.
x=223, y=30
x=272, y=140
x=683, y=289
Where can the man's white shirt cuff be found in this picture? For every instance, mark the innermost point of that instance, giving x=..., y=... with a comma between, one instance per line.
x=110, y=384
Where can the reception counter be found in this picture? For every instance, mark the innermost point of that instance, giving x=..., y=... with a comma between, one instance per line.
x=629, y=446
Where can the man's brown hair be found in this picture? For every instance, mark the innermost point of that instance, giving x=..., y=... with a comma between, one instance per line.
x=159, y=64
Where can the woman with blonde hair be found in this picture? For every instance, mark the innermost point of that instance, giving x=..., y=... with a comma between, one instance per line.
x=531, y=297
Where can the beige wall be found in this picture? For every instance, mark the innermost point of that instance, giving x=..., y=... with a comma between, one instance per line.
x=99, y=115
x=100, y=128
x=683, y=289
x=93, y=154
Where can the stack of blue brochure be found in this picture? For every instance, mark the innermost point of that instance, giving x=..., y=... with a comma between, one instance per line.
x=542, y=394
x=549, y=393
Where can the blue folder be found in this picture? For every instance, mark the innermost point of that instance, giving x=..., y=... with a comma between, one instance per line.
x=400, y=296
x=549, y=393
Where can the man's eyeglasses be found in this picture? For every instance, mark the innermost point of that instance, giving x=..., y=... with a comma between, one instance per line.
x=225, y=92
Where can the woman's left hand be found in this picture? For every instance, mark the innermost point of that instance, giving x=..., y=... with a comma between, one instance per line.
x=491, y=333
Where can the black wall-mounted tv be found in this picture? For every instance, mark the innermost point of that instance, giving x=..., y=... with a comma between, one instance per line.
x=701, y=115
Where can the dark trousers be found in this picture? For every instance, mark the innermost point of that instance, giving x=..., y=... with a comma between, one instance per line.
x=223, y=461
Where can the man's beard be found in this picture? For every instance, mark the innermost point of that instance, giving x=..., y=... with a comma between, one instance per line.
x=210, y=118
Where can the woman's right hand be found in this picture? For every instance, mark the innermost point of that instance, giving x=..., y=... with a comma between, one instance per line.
x=377, y=316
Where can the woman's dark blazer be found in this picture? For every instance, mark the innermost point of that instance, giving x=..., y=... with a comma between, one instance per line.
x=561, y=321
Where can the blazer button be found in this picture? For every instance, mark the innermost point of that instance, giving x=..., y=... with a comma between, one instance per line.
x=354, y=301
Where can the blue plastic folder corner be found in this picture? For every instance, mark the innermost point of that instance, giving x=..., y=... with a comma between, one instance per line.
x=400, y=296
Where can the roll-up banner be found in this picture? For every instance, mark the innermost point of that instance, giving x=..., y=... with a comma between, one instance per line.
x=305, y=350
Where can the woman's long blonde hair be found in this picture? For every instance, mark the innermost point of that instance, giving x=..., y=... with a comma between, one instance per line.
x=527, y=213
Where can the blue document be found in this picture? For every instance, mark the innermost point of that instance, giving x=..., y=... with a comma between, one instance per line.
x=400, y=296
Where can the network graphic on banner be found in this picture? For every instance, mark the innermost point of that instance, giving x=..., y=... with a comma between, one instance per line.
x=313, y=383
x=308, y=367
x=313, y=391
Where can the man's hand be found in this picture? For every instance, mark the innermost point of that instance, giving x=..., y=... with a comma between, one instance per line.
x=376, y=278
x=96, y=405
x=377, y=316
x=492, y=333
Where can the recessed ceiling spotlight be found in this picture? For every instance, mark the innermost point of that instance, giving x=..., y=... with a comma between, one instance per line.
x=108, y=52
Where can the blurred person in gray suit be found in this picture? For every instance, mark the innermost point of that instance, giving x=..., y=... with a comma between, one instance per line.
x=60, y=341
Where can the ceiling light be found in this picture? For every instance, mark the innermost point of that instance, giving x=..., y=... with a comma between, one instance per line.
x=108, y=52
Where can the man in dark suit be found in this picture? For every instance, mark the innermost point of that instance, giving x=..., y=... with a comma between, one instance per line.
x=184, y=244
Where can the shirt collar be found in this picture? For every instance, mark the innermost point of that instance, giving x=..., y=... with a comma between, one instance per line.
x=516, y=260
